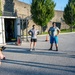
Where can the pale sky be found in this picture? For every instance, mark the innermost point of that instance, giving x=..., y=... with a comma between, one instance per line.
x=60, y=4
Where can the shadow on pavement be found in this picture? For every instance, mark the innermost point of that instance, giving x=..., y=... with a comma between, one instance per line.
x=41, y=65
x=38, y=52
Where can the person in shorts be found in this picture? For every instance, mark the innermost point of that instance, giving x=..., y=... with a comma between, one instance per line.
x=33, y=33
x=53, y=33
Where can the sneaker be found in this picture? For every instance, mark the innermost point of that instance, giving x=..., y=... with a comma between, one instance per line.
x=34, y=49
x=3, y=58
x=30, y=49
x=50, y=49
x=56, y=49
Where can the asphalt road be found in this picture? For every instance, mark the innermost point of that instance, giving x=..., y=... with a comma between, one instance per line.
x=21, y=61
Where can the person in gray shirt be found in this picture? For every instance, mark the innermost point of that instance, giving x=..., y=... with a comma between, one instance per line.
x=33, y=32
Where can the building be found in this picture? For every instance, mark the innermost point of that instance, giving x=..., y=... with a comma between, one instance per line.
x=9, y=22
x=13, y=18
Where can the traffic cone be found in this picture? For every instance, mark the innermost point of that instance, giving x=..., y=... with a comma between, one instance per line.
x=18, y=41
x=47, y=38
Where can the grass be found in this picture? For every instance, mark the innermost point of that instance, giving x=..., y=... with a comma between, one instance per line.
x=62, y=31
x=67, y=30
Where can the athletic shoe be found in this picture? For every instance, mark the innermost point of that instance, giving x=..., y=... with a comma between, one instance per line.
x=50, y=49
x=34, y=49
x=3, y=58
x=56, y=49
x=30, y=49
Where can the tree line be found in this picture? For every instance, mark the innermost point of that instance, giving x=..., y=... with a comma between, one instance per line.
x=43, y=11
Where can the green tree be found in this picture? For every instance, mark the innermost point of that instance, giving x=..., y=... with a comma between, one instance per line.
x=69, y=14
x=42, y=11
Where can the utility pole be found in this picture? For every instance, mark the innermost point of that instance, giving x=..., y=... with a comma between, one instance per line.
x=22, y=29
x=27, y=30
x=27, y=21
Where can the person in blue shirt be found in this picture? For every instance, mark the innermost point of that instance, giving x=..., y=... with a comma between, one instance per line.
x=53, y=33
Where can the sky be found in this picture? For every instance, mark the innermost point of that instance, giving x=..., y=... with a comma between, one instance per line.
x=60, y=4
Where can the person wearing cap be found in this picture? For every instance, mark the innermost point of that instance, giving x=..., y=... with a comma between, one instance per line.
x=33, y=32
x=53, y=33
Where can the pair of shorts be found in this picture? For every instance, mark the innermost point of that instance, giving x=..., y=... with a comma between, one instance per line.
x=33, y=40
x=53, y=39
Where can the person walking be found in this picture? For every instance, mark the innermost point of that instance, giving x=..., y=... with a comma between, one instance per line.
x=53, y=33
x=33, y=32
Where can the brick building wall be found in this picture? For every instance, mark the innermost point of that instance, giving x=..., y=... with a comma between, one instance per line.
x=7, y=7
x=59, y=18
x=22, y=9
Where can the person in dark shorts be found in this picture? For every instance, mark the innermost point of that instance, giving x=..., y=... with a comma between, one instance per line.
x=53, y=33
x=33, y=32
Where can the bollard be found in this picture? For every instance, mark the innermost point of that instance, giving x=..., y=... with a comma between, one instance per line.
x=18, y=41
x=47, y=38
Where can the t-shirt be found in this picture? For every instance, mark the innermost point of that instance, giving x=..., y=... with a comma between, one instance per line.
x=53, y=31
x=33, y=33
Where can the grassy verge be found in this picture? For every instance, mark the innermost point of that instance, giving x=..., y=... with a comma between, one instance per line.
x=62, y=31
x=66, y=30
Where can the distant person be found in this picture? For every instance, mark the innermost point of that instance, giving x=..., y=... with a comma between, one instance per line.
x=33, y=32
x=53, y=33
x=1, y=54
